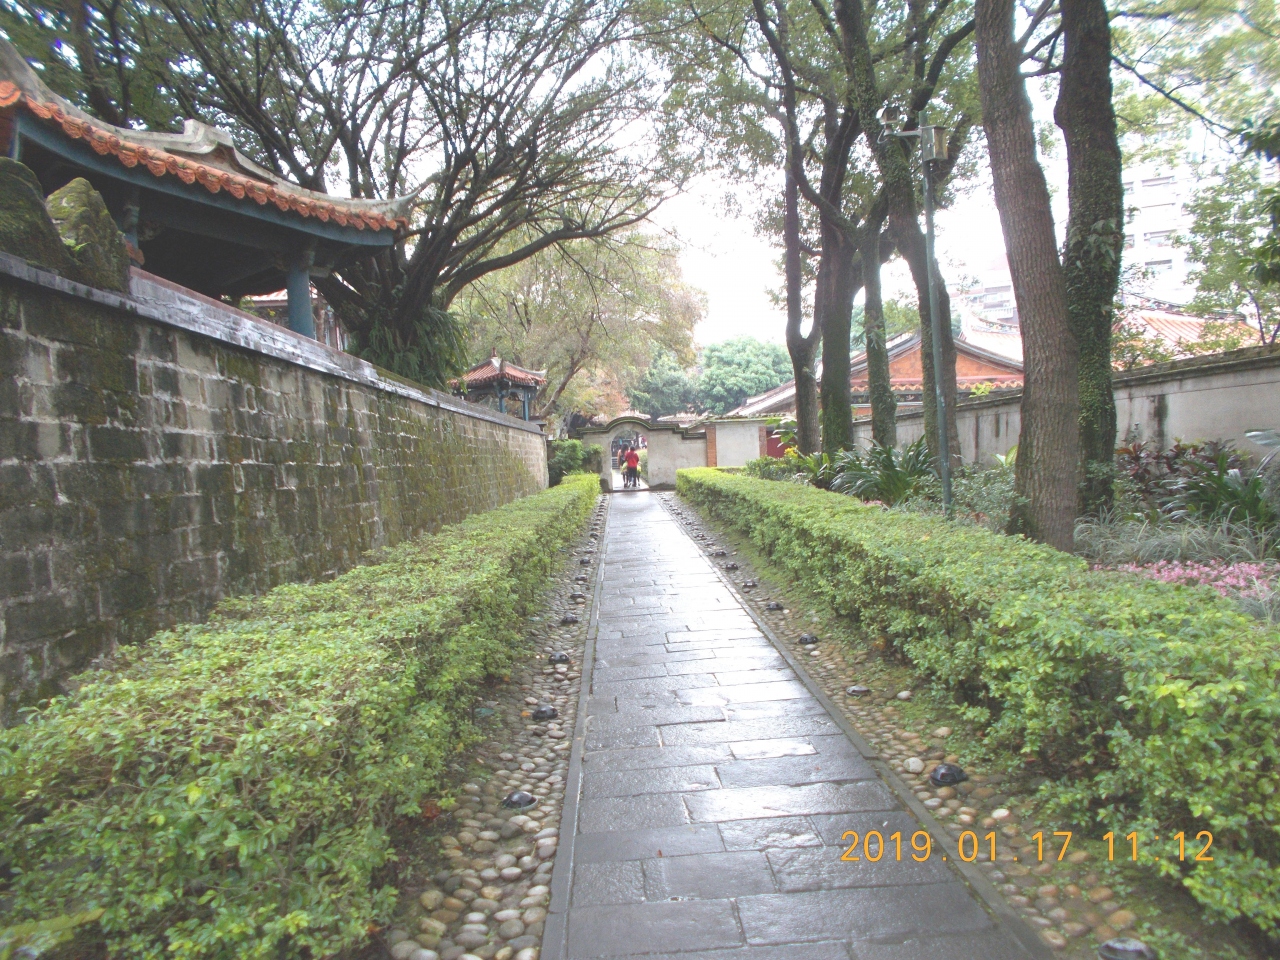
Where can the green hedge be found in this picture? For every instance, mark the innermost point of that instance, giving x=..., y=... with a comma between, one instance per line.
x=228, y=790
x=1155, y=707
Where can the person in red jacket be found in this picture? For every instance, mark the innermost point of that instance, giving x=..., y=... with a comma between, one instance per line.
x=632, y=460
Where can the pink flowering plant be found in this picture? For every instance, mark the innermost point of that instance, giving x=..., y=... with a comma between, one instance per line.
x=1235, y=580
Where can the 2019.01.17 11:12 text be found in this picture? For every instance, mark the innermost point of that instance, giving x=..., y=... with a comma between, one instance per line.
x=873, y=846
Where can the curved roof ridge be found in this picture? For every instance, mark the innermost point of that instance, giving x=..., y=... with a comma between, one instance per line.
x=201, y=153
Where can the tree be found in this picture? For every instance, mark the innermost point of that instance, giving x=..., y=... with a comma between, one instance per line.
x=1095, y=232
x=665, y=389
x=737, y=369
x=776, y=88
x=1049, y=443
x=592, y=313
x=1229, y=214
x=505, y=120
x=1214, y=62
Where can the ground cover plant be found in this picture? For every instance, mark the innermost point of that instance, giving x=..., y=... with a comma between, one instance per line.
x=229, y=788
x=1151, y=707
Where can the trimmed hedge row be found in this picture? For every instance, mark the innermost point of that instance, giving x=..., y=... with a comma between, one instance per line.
x=228, y=790
x=1154, y=706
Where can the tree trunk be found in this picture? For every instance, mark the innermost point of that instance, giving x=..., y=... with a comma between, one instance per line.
x=1091, y=260
x=1048, y=463
x=912, y=247
x=833, y=302
x=884, y=405
x=803, y=349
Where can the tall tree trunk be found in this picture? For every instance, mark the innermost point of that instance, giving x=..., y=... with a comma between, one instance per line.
x=913, y=249
x=833, y=303
x=1048, y=463
x=803, y=349
x=1095, y=237
x=884, y=405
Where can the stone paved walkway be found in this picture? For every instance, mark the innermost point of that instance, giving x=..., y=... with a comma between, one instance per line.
x=709, y=790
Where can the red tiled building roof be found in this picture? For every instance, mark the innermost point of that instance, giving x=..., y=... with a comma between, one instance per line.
x=201, y=154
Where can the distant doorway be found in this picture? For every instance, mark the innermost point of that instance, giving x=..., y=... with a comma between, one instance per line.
x=629, y=460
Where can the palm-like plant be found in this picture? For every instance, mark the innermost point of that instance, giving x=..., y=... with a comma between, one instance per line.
x=1222, y=490
x=883, y=473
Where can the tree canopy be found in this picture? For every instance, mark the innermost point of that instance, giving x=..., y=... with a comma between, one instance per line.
x=591, y=313
x=737, y=369
x=505, y=121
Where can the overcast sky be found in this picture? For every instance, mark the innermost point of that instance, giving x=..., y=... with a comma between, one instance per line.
x=723, y=257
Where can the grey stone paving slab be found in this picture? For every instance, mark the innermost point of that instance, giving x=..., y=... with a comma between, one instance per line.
x=790, y=771
x=775, y=724
x=643, y=758
x=603, y=884
x=709, y=876
x=820, y=868
x=781, y=747
x=602, y=814
x=628, y=844
x=710, y=791
x=647, y=927
x=635, y=783
x=770, y=833
x=782, y=801
x=869, y=913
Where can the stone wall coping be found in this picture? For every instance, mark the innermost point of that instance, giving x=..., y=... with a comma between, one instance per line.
x=154, y=299
x=1246, y=358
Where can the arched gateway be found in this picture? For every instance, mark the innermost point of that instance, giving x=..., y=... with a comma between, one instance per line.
x=672, y=446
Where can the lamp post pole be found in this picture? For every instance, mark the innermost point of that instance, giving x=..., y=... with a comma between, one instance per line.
x=933, y=147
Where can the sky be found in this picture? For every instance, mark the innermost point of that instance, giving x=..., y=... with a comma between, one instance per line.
x=723, y=256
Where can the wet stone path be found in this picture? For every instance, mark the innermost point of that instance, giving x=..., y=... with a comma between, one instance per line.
x=709, y=790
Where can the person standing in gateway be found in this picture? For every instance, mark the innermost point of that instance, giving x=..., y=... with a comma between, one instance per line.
x=632, y=459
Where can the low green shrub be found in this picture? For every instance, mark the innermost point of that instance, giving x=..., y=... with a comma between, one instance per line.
x=1153, y=707
x=228, y=790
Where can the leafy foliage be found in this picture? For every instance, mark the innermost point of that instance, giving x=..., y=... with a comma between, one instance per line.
x=591, y=313
x=569, y=456
x=665, y=389
x=228, y=790
x=1152, y=707
x=509, y=123
x=1229, y=212
x=741, y=368
x=883, y=473
x=772, y=468
x=1221, y=491
x=37, y=937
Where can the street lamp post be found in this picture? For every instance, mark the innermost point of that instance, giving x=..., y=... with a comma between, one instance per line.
x=933, y=147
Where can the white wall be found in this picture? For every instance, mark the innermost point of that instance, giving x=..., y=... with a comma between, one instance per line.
x=669, y=450
x=1205, y=398
x=737, y=441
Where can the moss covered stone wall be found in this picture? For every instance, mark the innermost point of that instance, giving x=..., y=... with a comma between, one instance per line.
x=147, y=469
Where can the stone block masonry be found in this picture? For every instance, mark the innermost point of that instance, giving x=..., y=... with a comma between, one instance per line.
x=159, y=452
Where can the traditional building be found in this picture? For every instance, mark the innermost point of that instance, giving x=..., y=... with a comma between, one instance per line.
x=496, y=382
x=192, y=208
x=976, y=368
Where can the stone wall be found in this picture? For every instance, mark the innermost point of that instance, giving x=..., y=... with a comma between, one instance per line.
x=159, y=451
x=1217, y=397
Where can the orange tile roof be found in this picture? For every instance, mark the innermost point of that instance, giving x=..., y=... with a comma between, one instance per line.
x=495, y=368
x=107, y=140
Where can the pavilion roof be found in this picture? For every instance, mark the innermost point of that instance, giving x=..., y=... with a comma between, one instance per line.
x=495, y=369
x=201, y=154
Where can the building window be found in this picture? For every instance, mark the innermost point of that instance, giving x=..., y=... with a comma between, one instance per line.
x=1160, y=266
x=1157, y=182
x=1128, y=241
x=1159, y=238
x=1161, y=211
